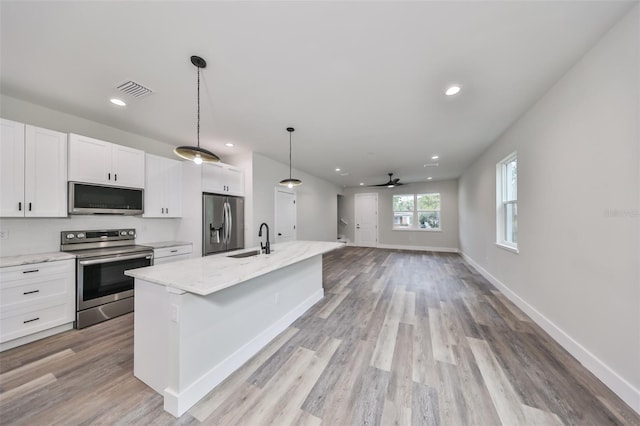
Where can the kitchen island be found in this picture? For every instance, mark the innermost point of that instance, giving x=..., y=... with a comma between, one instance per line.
x=198, y=320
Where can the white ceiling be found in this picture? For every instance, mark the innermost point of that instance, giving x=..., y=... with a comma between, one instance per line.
x=362, y=82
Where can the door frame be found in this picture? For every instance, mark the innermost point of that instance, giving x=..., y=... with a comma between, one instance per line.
x=275, y=211
x=355, y=217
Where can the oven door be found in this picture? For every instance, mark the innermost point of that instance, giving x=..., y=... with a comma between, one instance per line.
x=102, y=280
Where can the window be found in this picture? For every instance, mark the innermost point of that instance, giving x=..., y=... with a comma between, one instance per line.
x=507, y=202
x=416, y=211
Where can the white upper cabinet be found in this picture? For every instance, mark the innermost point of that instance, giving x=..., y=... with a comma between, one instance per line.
x=95, y=161
x=220, y=178
x=163, y=187
x=33, y=164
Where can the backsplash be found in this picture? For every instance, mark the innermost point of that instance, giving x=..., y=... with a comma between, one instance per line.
x=26, y=236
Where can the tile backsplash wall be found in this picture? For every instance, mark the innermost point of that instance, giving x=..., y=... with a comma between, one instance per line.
x=25, y=236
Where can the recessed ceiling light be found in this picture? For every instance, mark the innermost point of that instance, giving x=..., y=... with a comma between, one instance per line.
x=429, y=178
x=435, y=157
x=337, y=169
x=118, y=102
x=453, y=90
x=229, y=144
x=361, y=183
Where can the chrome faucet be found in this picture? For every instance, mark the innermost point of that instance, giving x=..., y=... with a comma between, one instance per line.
x=267, y=246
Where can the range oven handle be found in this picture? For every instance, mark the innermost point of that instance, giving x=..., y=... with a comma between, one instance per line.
x=114, y=259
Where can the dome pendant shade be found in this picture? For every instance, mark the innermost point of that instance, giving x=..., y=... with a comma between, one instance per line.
x=192, y=152
x=195, y=153
x=290, y=182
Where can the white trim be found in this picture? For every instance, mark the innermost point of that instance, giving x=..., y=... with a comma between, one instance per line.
x=35, y=336
x=419, y=248
x=417, y=229
x=621, y=387
x=178, y=403
x=508, y=247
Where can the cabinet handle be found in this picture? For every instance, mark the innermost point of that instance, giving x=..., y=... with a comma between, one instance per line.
x=30, y=271
x=167, y=210
x=31, y=292
x=20, y=206
x=31, y=320
x=115, y=177
x=162, y=210
x=108, y=176
x=29, y=206
x=173, y=251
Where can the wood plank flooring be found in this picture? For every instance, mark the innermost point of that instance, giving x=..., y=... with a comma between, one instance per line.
x=401, y=338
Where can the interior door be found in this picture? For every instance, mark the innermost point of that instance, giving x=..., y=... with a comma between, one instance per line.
x=285, y=225
x=366, y=223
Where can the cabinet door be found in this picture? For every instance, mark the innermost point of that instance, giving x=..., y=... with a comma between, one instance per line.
x=11, y=169
x=234, y=180
x=127, y=166
x=45, y=173
x=213, y=178
x=154, y=186
x=89, y=160
x=173, y=189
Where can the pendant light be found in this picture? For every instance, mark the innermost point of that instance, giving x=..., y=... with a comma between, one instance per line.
x=290, y=182
x=195, y=153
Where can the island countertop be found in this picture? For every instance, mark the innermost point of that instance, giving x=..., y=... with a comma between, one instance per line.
x=206, y=275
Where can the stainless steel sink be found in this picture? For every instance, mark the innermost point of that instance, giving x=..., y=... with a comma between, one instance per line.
x=245, y=254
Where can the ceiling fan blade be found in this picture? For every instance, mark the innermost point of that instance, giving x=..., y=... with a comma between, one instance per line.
x=395, y=181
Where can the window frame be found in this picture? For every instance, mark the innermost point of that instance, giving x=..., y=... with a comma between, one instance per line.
x=416, y=213
x=502, y=203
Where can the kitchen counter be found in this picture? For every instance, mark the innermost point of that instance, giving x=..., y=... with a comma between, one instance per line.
x=198, y=320
x=210, y=274
x=166, y=244
x=27, y=259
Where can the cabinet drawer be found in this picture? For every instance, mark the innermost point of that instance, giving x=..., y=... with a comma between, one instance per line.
x=34, y=291
x=35, y=271
x=172, y=251
x=26, y=323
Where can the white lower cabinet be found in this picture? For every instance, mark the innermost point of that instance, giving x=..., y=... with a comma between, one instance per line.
x=172, y=254
x=35, y=298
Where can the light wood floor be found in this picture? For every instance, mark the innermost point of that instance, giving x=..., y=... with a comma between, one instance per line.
x=400, y=338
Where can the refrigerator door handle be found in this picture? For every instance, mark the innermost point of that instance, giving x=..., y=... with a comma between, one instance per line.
x=224, y=223
x=230, y=223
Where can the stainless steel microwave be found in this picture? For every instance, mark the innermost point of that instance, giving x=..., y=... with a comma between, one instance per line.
x=89, y=198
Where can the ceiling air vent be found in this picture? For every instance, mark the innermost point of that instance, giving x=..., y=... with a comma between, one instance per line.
x=134, y=89
x=431, y=165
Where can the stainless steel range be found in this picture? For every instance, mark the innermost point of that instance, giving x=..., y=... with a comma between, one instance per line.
x=103, y=291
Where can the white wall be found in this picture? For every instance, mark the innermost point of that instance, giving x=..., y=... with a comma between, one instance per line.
x=317, y=204
x=445, y=240
x=43, y=235
x=577, y=272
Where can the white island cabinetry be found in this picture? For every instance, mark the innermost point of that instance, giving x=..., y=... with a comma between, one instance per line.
x=198, y=320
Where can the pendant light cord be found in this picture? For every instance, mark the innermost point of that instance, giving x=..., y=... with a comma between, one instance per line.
x=198, y=121
x=289, y=155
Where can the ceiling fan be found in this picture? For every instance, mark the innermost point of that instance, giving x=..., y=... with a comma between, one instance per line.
x=392, y=182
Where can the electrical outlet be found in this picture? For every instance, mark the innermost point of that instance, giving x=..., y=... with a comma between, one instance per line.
x=4, y=234
x=175, y=313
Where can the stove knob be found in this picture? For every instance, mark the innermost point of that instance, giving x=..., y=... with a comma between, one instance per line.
x=70, y=236
x=80, y=235
x=123, y=232
x=132, y=233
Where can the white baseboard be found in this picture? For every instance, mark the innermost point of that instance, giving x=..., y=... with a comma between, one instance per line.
x=419, y=248
x=621, y=387
x=178, y=403
x=35, y=336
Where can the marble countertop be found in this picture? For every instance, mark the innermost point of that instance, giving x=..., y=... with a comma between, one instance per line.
x=206, y=275
x=27, y=259
x=165, y=244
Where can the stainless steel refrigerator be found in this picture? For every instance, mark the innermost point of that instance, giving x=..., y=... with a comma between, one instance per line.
x=223, y=223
